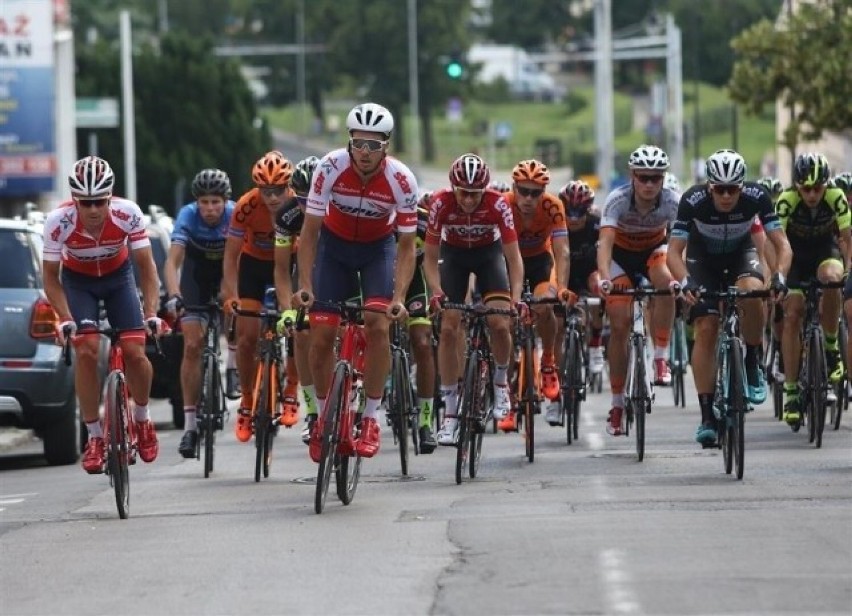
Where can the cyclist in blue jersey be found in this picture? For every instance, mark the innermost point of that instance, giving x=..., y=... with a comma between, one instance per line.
x=198, y=246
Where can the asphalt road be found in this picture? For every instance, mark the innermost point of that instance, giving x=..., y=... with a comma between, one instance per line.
x=586, y=529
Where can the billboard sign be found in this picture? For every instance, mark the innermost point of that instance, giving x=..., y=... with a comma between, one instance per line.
x=27, y=97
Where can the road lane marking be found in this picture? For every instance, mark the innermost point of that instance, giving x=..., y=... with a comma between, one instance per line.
x=617, y=582
x=594, y=439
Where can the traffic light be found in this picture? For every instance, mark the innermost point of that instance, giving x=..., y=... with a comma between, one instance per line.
x=454, y=66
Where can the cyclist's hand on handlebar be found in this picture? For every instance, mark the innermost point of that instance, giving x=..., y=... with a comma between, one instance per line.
x=232, y=304
x=436, y=302
x=65, y=331
x=675, y=287
x=303, y=298
x=567, y=297
x=286, y=322
x=778, y=286
x=690, y=291
x=174, y=304
x=605, y=287
x=396, y=311
x=157, y=327
x=522, y=309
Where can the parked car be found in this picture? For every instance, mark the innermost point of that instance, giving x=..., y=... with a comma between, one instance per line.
x=36, y=387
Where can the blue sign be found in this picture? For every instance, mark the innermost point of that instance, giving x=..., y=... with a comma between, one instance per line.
x=27, y=98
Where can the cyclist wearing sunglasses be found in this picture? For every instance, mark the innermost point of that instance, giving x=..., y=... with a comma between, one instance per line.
x=359, y=197
x=288, y=226
x=88, y=244
x=196, y=251
x=472, y=230
x=714, y=226
x=543, y=241
x=583, y=228
x=632, y=244
x=249, y=269
x=814, y=217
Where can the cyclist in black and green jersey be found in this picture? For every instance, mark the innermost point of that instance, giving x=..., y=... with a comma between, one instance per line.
x=815, y=217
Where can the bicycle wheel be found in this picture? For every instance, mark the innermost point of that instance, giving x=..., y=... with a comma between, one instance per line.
x=818, y=383
x=466, y=410
x=529, y=398
x=399, y=398
x=210, y=408
x=328, y=423
x=261, y=423
x=567, y=382
x=737, y=410
x=347, y=468
x=579, y=383
x=118, y=441
x=640, y=401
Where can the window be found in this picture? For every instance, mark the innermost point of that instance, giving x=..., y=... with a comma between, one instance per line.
x=18, y=268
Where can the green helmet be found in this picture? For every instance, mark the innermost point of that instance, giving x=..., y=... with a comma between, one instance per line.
x=811, y=168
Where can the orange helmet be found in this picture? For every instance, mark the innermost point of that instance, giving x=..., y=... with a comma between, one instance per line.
x=272, y=170
x=531, y=171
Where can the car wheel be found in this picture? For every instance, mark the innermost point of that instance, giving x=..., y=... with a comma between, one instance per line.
x=62, y=437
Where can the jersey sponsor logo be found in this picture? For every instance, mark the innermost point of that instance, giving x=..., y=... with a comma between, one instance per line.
x=319, y=181
x=400, y=178
x=506, y=212
x=696, y=198
x=471, y=231
x=367, y=209
x=119, y=214
x=54, y=235
x=753, y=192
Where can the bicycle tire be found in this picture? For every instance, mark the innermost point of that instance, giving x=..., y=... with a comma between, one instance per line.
x=579, y=382
x=210, y=409
x=529, y=400
x=347, y=468
x=328, y=424
x=118, y=441
x=567, y=384
x=640, y=401
x=399, y=413
x=737, y=397
x=818, y=382
x=464, y=413
x=842, y=402
x=261, y=421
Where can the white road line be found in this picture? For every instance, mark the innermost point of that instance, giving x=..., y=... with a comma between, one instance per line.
x=594, y=439
x=22, y=494
x=617, y=582
x=11, y=501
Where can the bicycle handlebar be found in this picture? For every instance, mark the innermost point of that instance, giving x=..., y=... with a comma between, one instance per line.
x=735, y=293
x=478, y=309
x=641, y=292
x=820, y=285
x=109, y=332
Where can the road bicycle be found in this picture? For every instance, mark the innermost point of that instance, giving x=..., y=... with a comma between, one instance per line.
x=678, y=355
x=120, y=438
x=639, y=384
x=402, y=412
x=730, y=400
x=211, y=407
x=267, y=390
x=574, y=369
x=815, y=390
x=773, y=368
x=842, y=387
x=338, y=425
x=476, y=395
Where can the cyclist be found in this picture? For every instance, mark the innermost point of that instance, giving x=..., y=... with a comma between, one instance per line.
x=583, y=227
x=539, y=220
x=714, y=224
x=358, y=197
x=472, y=229
x=813, y=216
x=248, y=269
x=671, y=182
x=632, y=243
x=772, y=185
x=196, y=251
x=288, y=226
x=88, y=244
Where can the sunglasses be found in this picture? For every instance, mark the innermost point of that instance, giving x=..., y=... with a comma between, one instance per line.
x=814, y=188
x=372, y=145
x=467, y=194
x=529, y=192
x=93, y=202
x=576, y=214
x=648, y=179
x=272, y=191
x=726, y=189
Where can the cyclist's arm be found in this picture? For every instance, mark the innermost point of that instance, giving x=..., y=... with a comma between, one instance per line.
x=515, y=266
x=406, y=256
x=283, y=280
x=233, y=245
x=562, y=258
x=783, y=252
x=674, y=258
x=845, y=242
x=308, y=239
x=171, y=268
x=431, y=252
x=606, y=238
x=148, y=281
x=54, y=291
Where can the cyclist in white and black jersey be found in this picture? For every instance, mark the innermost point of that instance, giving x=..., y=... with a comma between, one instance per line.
x=714, y=223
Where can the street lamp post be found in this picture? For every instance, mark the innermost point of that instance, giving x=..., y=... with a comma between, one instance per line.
x=413, y=82
x=604, y=128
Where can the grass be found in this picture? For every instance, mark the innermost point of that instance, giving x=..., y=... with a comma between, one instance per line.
x=573, y=129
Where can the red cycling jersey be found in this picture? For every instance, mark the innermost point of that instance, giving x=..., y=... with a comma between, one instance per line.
x=67, y=241
x=490, y=221
x=363, y=212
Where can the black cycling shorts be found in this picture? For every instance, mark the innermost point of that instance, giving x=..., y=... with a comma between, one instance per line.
x=718, y=272
x=807, y=259
x=486, y=262
x=254, y=277
x=199, y=282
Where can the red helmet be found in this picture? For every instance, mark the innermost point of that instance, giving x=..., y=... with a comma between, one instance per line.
x=469, y=172
x=577, y=197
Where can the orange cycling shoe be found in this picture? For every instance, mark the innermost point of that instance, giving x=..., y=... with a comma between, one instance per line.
x=289, y=411
x=509, y=423
x=368, y=443
x=149, y=447
x=93, y=456
x=243, y=428
x=550, y=382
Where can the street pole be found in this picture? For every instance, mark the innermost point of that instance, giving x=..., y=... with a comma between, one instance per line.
x=66, y=124
x=604, y=129
x=300, y=68
x=674, y=78
x=413, y=82
x=128, y=115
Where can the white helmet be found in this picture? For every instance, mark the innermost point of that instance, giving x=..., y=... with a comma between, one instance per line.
x=91, y=177
x=725, y=167
x=648, y=157
x=671, y=182
x=370, y=117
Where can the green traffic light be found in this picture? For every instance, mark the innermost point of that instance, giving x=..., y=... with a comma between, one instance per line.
x=454, y=70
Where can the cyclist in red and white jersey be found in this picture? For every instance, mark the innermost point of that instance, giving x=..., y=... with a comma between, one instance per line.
x=358, y=198
x=472, y=230
x=88, y=243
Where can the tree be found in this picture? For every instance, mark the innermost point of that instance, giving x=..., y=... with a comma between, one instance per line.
x=805, y=62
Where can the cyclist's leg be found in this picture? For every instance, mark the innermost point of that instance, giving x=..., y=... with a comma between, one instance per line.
x=420, y=338
x=749, y=277
x=253, y=277
x=193, y=329
x=619, y=312
x=662, y=318
x=801, y=269
x=831, y=270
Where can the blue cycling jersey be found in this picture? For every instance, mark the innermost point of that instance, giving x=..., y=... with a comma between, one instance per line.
x=200, y=240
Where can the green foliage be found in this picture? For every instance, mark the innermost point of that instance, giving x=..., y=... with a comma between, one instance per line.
x=805, y=61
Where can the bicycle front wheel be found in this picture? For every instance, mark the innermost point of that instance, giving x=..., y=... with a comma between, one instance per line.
x=736, y=422
x=211, y=407
x=640, y=404
x=530, y=400
x=347, y=468
x=467, y=408
x=328, y=423
x=118, y=441
x=262, y=419
x=399, y=398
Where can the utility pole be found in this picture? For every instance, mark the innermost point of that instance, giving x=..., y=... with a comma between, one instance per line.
x=301, y=88
x=128, y=115
x=413, y=82
x=604, y=128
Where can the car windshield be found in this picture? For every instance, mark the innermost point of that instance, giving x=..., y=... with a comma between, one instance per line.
x=18, y=269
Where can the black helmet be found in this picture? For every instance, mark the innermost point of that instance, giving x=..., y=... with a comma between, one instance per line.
x=301, y=180
x=811, y=168
x=211, y=182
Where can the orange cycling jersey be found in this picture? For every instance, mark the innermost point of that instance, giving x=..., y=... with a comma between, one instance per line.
x=255, y=225
x=535, y=234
